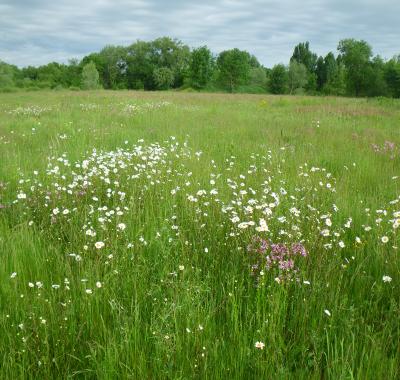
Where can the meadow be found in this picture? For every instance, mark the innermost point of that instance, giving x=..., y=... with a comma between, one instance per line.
x=167, y=235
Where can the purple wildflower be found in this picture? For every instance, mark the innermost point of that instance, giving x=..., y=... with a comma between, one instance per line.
x=299, y=249
x=278, y=258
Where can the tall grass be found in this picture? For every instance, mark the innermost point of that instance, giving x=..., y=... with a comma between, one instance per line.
x=175, y=186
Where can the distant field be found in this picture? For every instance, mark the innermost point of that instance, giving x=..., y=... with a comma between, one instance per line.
x=177, y=235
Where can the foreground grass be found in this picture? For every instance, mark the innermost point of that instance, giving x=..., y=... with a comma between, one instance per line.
x=171, y=294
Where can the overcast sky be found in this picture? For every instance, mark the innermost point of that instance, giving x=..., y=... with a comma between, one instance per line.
x=34, y=32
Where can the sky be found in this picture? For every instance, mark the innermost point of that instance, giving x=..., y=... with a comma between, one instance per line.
x=35, y=32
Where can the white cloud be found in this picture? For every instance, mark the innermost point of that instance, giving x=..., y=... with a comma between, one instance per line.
x=39, y=31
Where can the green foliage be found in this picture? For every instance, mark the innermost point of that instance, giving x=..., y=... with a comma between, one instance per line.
x=356, y=58
x=250, y=89
x=59, y=87
x=8, y=90
x=112, y=60
x=6, y=75
x=320, y=72
x=139, y=72
x=303, y=55
x=90, y=77
x=336, y=84
x=297, y=76
x=331, y=69
x=143, y=58
x=258, y=77
x=234, y=68
x=392, y=76
x=311, y=85
x=72, y=73
x=163, y=78
x=147, y=65
x=376, y=85
x=278, y=79
x=50, y=74
x=331, y=75
x=201, y=67
x=253, y=62
x=33, y=88
x=257, y=83
x=174, y=55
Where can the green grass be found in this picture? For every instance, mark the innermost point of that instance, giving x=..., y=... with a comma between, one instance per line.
x=178, y=299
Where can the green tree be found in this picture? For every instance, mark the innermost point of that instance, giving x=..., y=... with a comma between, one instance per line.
x=321, y=73
x=112, y=60
x=331, y=67
x=50, y=75
x=173, y=54
x=30, y=72
x=201, y=67
x=234, y=68
x=375, y=78
x=311, y=85
x=302, y=54
x=253, y=62
x=163, y=78
x=336, y=83
x=142, y=58
x=73, y=73
x=297, y=76
x=392, y=76
x=90, y=77
x=278, y=79
x=356, y=58
x=258, y=77
x=6, y=75
x=140, y=67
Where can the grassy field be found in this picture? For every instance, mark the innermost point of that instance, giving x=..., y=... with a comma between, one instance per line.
x=177, y=236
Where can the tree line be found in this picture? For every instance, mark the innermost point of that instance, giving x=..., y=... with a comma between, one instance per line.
x=167, y=63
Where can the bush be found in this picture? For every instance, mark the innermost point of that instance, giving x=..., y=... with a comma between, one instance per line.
x=251, y=89
x=90, y=77
x=299, y=91
x=121, y=86
x=187, y=89
x=137, y=85
x=33, y=88
x=43, y=85
x=163, y=78
x=7, y=90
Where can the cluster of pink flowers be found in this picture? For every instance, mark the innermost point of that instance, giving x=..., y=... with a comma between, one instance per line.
x=388, y=147
x=276, y=258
